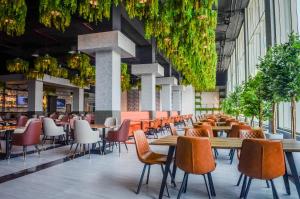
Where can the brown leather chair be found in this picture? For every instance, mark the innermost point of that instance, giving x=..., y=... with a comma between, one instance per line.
x=22, y=120
x=202, y=131
x=194, y=156
x=173, y=129
x=235, y=133
x=120, y=135
x=147, y=156
x=261, y=159
x=250, y=134
x=31, y=136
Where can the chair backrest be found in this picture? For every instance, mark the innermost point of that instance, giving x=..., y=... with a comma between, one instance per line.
x=200, y=131
x=72, y=121
x=110, y=121
x=211, y=121
x=141, y=144
x=252, y=133
x=22, y=120
x=124, y=131
x=194, y=155
x=88, y=118
x=262, y=159
x=49, y=126
x=82, y=131
x=31, y=135
x=60, y=117
x=236, y=129
x=53, y=116
x=173, y=129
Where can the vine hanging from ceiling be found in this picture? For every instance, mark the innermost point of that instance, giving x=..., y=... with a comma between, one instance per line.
x=184, y=30
x=12, y=17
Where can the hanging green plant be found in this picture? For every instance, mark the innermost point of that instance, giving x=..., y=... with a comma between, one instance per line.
x=175, y=27
x=34, y=74
x=45, y=63
x=17, y=65
x=85, y=71
x=96, y=10
x=125, y=78
x=13, y=16
x=57, y=13
x=78, y=61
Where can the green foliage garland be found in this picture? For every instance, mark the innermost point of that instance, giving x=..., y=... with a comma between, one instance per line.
x=185, y=33
x=95, y=10
x=57, y=13
x=86, y=72
x=125, y=78
x=17, y=65
x=13, y=16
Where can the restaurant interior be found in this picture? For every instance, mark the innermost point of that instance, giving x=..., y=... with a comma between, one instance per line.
x=149, y=99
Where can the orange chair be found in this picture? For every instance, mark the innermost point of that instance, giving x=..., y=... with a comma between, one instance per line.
x=235, y=133
x=201, y=131
x=194, y=156
x=173, y=129
x=248, y=134
x=147, y=156
x=261, y=159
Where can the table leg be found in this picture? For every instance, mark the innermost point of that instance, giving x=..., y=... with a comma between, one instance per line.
x=67, y=133
x=103, y=141
x=166, y=171
x=7, y=144
x=295, y=176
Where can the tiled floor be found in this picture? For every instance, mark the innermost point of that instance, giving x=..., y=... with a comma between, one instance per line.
x=113, y=176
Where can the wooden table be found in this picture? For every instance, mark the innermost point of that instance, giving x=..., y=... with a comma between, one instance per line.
x=217, y=123
x=103, y=127
x=289, y=146
x=7, y=130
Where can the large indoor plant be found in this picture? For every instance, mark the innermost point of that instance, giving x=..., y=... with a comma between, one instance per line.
x=13, y=16
x=283, y=74
x=57, y=13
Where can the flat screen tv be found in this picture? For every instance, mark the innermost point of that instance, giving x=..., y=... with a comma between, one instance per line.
x=22, y=100
x=60, y=103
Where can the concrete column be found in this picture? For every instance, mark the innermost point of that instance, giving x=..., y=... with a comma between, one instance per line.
x=35, y=97
x=109, y=48
x=148, y=73
x=176, y=98
x=78, y=100
x=166, y=91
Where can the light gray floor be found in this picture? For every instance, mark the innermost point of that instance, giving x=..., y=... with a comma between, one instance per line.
x=114, y=176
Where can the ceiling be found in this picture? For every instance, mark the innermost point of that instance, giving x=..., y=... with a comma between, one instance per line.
x=230, y=21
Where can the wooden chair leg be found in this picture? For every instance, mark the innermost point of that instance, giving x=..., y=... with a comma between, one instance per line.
x=75, y=151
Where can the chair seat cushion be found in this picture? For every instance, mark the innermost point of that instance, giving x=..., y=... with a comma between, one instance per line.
x=19, y=130
x=154, y=158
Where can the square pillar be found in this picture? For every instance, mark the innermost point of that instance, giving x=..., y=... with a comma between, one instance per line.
x=78, y=100
x=148, y=73
x=108, y=48
x=176, y=98
x=166, y=97
x=166, y=91
x=35, y=97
